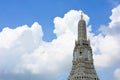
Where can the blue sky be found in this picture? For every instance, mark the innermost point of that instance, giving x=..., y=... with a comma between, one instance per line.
x=19, y=12
x=34, y=31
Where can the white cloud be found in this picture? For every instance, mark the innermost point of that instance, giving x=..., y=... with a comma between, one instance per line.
x=56, y=54
x=107, y=42
x=115, y=17
x=68, y=23
x=17, y=42
x=27, y=52
x=22, y=49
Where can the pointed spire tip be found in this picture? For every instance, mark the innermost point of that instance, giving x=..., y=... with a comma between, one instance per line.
x=81, y=15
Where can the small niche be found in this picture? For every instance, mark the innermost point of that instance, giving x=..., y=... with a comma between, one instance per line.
x=80, y=53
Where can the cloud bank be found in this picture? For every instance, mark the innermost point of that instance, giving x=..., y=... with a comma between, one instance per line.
x=24, y=55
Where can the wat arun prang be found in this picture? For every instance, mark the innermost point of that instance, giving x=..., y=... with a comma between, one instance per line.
x=82, y=63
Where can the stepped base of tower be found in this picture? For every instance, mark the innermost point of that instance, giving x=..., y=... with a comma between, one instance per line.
x=83, y=70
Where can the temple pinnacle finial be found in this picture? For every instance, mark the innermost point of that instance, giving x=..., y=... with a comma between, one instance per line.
x=81, y=15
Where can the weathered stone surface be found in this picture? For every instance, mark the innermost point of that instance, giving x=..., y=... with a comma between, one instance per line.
x=83, y=67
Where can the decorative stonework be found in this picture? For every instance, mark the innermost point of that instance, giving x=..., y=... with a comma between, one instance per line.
x=83, y=67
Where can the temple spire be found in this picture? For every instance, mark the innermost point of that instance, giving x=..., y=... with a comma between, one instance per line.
x=81, y=15
x=83, y=66
x=82, y=29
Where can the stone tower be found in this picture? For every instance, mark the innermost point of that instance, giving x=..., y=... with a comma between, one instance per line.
x=83, y=67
